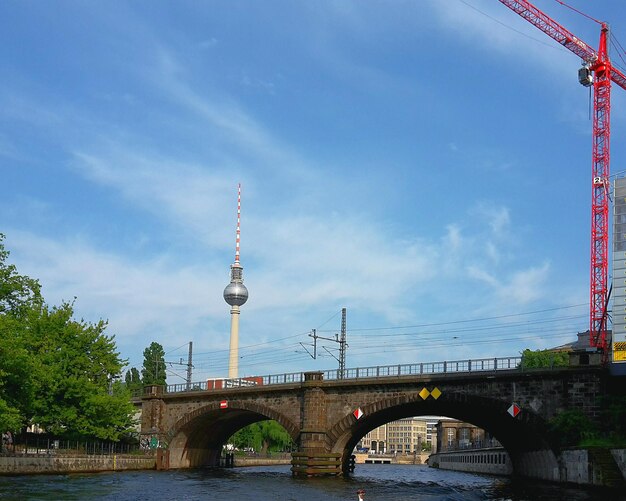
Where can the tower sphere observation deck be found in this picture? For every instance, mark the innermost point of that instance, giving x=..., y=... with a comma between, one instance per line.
x=236, y=293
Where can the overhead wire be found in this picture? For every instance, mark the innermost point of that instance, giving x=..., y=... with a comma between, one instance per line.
x=407, y=345
x=480, y=328
x=423, y=337
x=439, y=343
x=619, y=49
x=470, y=320
x=324, y=323
x=253, y=345
x=509, y=27
x=393, y=347
x=578, y=11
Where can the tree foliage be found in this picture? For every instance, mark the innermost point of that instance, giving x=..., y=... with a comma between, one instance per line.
x=570, y=427
x=77, y=366
x=17, y=387
x=17, y=293
x=544, y=358
x=153, y=371
x=614, y=416
x=55, y=371
x=263, y=437
x=133, y=379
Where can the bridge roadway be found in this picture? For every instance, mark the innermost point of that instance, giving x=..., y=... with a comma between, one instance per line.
x=326, y=414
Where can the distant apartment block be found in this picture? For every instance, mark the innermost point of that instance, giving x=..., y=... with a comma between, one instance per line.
x=454, y=435
x=404, y=436
x=436, y=434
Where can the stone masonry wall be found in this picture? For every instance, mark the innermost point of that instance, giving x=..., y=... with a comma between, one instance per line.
x=18, y=465
x=543, y=393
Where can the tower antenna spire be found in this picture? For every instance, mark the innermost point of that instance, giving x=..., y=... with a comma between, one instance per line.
x=238, y=238
x=235, y=294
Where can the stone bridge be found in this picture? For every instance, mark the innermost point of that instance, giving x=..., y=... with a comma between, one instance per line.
x=327, y=418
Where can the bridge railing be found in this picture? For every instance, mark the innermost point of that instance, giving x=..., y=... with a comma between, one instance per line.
x=380, y=371
x=477, y=365
x=292, y=377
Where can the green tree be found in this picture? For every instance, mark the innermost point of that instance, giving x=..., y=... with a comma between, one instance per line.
x=17, y=383
x=244, y=438
x=153, y=371
x=614, y=417
x=18, y=294
x=264, y=436
x=133, y=379
x=570, y=427
x=544, y=358
x=55, y=371
x=76, y=369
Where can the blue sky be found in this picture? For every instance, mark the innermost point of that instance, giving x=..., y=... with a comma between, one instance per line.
x=425, y=164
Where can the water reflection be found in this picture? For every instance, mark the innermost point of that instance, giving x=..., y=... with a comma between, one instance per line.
x=381, y=482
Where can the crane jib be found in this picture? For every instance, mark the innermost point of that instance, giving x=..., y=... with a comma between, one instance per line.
x=561, y=35
x=551, y=28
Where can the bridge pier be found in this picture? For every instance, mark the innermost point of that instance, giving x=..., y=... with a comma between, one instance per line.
x=540, y=464
x=314, y=456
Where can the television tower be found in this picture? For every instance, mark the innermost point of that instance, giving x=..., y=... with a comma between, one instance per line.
x=235, y=294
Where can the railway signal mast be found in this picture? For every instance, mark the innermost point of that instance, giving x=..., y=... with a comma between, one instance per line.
x=597, y=71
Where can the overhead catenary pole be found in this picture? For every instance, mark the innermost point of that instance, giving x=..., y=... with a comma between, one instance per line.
x=342, y=345
x=339, y=338
x=189, y=365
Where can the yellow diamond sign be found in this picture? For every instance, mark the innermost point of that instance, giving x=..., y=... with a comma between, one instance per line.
x=436, y=393
x=424, y=393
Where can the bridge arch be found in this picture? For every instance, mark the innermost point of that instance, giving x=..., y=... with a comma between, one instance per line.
x=198, y=437
x=523, y=437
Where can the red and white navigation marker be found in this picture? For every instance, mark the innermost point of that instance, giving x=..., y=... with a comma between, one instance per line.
x=514, y=410
x=224, y=404
x=358, y=413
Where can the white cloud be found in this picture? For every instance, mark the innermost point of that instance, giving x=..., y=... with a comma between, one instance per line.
x=258, y=83
x=482, y=275
x=208, y=43
x=453, y=237
x=186, y=195
x=498, y=217
x=526, y=286
x=232, y=126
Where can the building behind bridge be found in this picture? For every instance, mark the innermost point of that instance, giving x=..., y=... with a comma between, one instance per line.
x=414, y=434
x=405, y=436
x=455, y=435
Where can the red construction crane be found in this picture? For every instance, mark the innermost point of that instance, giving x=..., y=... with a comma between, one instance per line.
x=598, y=72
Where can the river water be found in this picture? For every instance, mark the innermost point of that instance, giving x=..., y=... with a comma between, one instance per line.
x=381, y=482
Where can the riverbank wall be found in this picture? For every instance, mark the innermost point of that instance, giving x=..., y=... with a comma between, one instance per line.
x=364, y=458
x=243, y=461
x=593, y=467
x=28, y=465
x=48, y=464
x=493, y=461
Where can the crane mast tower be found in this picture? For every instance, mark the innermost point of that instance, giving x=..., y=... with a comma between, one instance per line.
x=598, y=72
